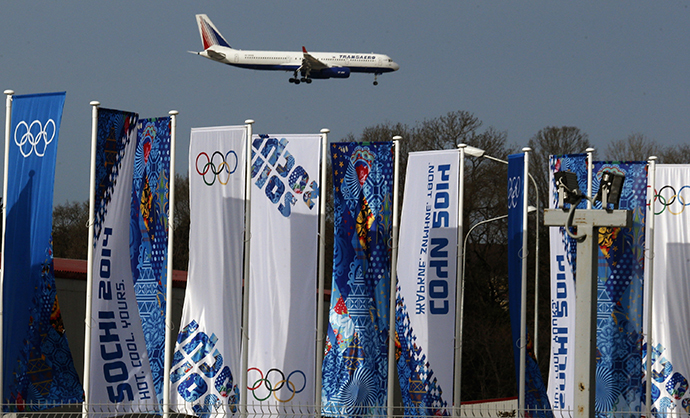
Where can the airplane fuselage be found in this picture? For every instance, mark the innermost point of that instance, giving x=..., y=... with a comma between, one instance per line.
x=292, y=61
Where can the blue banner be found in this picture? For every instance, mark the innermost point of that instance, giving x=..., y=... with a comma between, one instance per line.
x=355, y=365
x=619, y=296
x=149, y=237
x=38, y=367
x=536, y=399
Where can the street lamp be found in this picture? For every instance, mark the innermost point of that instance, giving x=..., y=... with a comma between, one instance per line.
x=481, y=153
x=461, y=302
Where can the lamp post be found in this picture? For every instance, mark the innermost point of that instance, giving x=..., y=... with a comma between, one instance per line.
x=461, y=292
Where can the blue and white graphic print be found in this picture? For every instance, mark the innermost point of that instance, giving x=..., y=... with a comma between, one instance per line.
x=119, y=366
x=283, y=271
x=355, y=365
x=425, y=300
x=38, y=368
x=149, y=237
x=205, y=374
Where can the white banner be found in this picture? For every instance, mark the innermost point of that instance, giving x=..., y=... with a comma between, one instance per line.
x=119, y=367
x=561, y=366
x=670, y=336
x=425, y=318
x=283, y=273
x=205, y=370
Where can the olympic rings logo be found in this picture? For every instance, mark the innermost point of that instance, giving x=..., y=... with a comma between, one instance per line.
x=514, y=191
x=667, y=202
x=272, y=388
x=33, y=135
x=219, y=168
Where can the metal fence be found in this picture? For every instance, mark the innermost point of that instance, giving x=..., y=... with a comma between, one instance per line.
x=507, y=408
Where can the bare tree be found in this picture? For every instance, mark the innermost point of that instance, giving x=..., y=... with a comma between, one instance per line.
x=635, y=147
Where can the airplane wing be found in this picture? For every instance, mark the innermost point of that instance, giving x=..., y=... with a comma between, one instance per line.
x=312, y=63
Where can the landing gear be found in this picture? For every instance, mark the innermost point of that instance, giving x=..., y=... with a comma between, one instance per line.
x=304, y=79
x=376, y=76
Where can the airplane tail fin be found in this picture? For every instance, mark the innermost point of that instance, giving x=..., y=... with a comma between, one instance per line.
x=209, y=33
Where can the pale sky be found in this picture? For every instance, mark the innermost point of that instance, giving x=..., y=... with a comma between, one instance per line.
x=608, y=68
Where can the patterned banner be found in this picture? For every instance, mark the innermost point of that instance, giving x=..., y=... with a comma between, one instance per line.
x=536, y=399
x=206, y=363
x=149, y=237
x=619, y=296
x=425, y=311
x=563, y=251
x=671, y=351
x=355, y=364
x=38, y=367
x=119, y=366
x=282, y=306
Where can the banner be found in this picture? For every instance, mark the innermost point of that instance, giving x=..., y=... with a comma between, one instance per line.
x=425, y=302
x=563, y=250
x=205, y=367
x=283, y=273
x=120, y=375
x=38, y=367
x=619, y=295
x=149, y=237
x=355, y=363
x=536, y=398
x=670, y=350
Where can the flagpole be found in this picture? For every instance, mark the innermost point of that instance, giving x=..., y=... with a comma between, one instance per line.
x=459, y=290
x=245, y=294
x=322, y=274
x=523, y=293
x=650, y=284
x=89, y=260
x=168, y=281
x=8, y=127
x=394, y=268
x=590, y=169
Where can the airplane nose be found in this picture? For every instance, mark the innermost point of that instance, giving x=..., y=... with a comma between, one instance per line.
x=395, y=66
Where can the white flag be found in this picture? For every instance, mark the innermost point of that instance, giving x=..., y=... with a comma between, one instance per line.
x=205, y=370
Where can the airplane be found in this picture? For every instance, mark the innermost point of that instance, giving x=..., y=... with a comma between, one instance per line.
x=304, y=65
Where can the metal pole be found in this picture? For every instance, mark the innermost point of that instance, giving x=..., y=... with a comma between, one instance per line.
x=393, y=282
x=168, y=281
x=244, y=404
x=459, y=290
x=536, y=269
x=89, y=262
x=322, y=274
x=650, y=283
x=523, y=293
x=590, y=169
x=8, y=128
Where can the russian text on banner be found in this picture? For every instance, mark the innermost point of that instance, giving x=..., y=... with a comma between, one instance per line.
x=149, y=237
x=619, y=295
x=205, y=367
x=562, y=267
x=670, y=351
x=536, y=398
x=425, y=311
x=38, y=367
x=282, y=309
x=120, y=375
x=355, y=363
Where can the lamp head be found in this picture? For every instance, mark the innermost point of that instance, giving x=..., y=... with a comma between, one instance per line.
x=567, y=185
x=610, y=189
